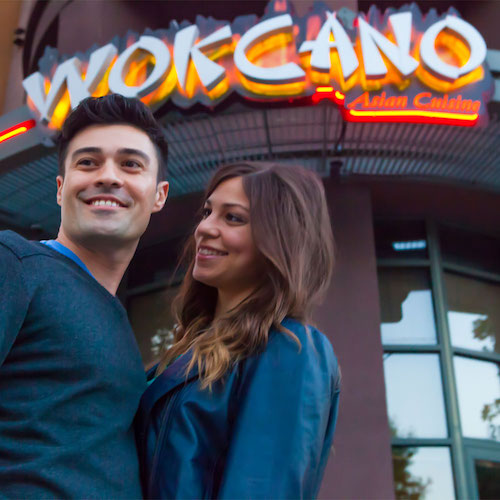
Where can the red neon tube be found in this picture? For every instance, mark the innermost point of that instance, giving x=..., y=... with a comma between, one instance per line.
x=18, y=129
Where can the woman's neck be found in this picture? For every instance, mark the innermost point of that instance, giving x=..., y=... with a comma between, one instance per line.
x=229, y=300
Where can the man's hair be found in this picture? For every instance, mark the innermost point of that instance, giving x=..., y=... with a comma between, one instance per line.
x=114, y=109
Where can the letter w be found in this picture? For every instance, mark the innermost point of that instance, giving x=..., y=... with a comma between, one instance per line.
x=69, y=75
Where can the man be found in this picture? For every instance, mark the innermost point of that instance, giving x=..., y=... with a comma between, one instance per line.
x=70, y=371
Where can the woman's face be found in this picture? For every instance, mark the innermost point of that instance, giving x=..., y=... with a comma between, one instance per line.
x=226, y=256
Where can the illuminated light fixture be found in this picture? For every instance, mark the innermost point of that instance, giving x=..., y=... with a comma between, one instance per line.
x=409, y=116
x=329, y=93
x=324, y=92
x=414, y=116
x=402, y=246
x=18, y=129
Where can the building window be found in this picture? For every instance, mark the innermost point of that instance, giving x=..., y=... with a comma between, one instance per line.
x=415, y=402
x=440, y=321
x=423, y=472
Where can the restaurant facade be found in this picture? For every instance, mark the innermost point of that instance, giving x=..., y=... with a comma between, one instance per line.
x=395, y=106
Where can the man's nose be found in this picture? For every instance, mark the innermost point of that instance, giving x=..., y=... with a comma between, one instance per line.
x=109, y=175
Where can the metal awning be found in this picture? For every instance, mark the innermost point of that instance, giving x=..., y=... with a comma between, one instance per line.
x=314, y=136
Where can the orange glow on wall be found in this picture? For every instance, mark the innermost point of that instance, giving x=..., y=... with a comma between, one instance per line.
x=274, y=51
x=103, y=88
x=281, y=5
x=219, y=90
x=137, y=71
x=442, y=86
x=163, y=91
x=61, y=111
x=264, y=90
x=16, y=130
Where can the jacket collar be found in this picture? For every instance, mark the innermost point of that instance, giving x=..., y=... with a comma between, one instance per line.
x=173, y=376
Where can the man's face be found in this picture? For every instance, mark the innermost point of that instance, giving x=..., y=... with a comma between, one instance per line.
x=109, y=189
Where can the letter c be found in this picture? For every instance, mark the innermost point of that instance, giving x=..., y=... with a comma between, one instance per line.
x=418, y=97
x=286, y=73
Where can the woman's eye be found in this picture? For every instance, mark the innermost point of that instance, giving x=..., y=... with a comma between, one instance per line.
x=205, y=213
x=234, y=218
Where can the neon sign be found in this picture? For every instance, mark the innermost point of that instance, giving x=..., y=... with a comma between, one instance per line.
x=399, y=66
x=16, y=130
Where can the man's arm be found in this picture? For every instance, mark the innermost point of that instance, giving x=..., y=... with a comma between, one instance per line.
x=14, y=300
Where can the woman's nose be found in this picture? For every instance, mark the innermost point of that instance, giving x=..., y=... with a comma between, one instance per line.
x=208, y=227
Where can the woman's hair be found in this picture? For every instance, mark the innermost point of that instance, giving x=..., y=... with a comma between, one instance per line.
x=291, y=230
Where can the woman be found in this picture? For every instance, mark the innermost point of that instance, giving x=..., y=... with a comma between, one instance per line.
x=244, y=404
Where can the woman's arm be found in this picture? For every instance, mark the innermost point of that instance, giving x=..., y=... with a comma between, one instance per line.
x=284, y=418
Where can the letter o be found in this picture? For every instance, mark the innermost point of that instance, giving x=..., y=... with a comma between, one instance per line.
x=444, y=70
x=162, y=57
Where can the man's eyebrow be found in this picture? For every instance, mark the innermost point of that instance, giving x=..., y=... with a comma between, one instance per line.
x=137, y=152
x=85, y=150
x=229, y=205
x=123, y=151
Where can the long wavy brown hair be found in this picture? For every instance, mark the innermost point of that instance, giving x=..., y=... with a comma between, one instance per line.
x=292, y=231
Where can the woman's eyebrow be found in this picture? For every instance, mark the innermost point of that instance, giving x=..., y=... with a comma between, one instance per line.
x=228, y=205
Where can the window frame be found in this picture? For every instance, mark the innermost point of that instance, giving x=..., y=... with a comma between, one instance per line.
x=461, y=448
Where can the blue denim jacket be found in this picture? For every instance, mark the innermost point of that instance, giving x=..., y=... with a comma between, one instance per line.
x=265, y=431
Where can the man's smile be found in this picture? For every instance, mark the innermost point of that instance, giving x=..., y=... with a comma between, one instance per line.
x=106, y=201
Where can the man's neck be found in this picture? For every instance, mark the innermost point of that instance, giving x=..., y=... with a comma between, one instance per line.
x=107, y=265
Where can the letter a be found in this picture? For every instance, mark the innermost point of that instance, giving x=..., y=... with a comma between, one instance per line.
x=372, y=41
x=320, y=48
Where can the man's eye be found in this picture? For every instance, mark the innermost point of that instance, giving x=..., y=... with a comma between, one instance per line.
x=131, y=164
x=86, y=162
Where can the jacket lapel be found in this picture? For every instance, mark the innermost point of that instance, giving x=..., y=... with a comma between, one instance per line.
x=173, y=376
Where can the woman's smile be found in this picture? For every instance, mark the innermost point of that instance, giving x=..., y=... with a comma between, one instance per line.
x=206, y=252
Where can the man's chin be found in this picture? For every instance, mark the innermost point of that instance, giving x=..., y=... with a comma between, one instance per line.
x=107, y=236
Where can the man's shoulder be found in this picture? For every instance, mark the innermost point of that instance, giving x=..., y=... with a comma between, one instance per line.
x=20, y=246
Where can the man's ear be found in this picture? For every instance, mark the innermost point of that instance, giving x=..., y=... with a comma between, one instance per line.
x=60, y=181
x=161, y=196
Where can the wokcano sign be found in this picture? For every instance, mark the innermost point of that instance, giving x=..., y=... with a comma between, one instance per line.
x=400, y=65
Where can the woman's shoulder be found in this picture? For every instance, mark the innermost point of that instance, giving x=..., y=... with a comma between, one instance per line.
x=314, y=345
x=308, y=335
x=310, y=359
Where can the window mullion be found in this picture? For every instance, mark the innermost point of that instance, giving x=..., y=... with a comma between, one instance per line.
x=409, y=442
x=449, y=384
x=412, y=348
